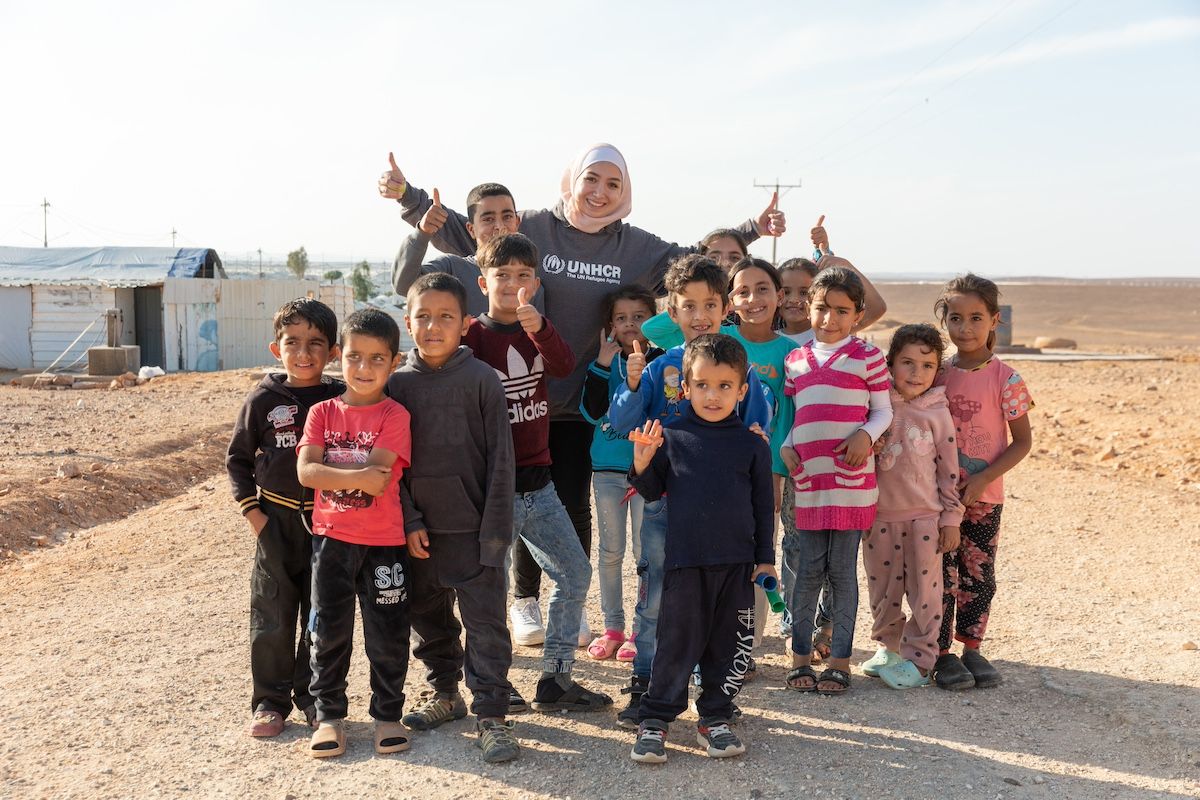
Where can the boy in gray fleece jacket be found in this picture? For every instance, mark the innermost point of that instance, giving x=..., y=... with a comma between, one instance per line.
x=458, y=508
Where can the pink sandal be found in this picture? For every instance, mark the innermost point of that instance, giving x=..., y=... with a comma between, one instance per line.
x=603, y=647
x=628, y=651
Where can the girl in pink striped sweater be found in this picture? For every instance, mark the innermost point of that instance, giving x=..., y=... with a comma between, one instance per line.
x=839, y=386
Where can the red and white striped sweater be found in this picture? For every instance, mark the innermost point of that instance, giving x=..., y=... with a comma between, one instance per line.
x=832, y=401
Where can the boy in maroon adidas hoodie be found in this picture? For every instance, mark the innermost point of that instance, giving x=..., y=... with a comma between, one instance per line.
x=524, y=347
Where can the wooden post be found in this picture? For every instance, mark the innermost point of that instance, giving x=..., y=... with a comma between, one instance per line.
x=113, y=319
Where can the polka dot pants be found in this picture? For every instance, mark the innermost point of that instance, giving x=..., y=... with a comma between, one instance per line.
x=969, y=578
x=901, y=559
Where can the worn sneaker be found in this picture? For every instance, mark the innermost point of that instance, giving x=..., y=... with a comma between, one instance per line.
x=720, y=740
x=517, y=704
x=650, y=747
x=433, y=709
x=265, y=724
x=497, y=741
x=628, y=717
x=526, y=616
x=585, y=631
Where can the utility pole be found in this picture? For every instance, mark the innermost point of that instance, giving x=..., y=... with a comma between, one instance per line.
x=776, y=186
x=173, y=232
x=45, y=208
x=260, y=262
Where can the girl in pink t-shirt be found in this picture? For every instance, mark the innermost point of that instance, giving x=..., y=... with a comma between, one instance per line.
x=989, y=403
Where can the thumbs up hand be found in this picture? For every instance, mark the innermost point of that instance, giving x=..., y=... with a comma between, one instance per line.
x=392, y=183
x=820, y=238
x=634, y=367
x=435, y=217
x=527, y=315
x=771, y=222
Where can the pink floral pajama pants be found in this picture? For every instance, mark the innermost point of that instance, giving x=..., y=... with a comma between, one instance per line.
x=969, y=578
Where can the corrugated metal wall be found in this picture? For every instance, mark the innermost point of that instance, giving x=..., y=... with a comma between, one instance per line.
x=60, y=313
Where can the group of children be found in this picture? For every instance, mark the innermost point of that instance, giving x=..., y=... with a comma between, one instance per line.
x=749, y=399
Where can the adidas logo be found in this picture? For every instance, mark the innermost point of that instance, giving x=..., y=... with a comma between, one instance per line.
x=522, y=379
x=520, y=383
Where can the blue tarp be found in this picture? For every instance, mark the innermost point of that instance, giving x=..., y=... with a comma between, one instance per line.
x=108, y=266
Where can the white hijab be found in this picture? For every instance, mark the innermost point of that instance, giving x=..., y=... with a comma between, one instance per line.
x=594, y=155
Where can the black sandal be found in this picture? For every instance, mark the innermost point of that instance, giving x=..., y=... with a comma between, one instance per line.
x=840, y=677
x=797, y=673
x=574, y=698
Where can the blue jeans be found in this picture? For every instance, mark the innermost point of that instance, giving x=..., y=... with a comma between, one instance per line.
x=650, y=582
x=611, y=514
x=787, y=515
x=815, y=557
x=541, y=520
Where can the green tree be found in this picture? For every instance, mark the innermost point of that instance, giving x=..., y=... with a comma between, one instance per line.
x=360, y=279
x=333, y=275
x=298, y=262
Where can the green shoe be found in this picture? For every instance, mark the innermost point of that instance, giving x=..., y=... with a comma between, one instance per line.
x=904, y=675
x=497, y=741
x=434, y=709
x=882, y=658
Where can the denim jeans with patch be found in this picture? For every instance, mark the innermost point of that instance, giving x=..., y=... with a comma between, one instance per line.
x=541, y=521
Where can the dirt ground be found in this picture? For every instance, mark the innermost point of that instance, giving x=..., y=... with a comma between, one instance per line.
x=123, y=632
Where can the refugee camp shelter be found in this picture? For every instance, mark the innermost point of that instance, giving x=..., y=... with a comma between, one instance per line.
x=177, y=305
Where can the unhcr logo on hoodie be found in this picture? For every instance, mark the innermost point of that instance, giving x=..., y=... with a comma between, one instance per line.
x=581, y=270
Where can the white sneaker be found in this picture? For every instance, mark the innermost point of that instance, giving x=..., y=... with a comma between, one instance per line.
x=585, y=633
x=526, y=618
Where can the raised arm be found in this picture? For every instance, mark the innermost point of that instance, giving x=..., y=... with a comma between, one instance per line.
x=453, y=237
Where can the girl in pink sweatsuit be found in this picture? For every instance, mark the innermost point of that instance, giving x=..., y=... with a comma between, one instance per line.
x=918, y=515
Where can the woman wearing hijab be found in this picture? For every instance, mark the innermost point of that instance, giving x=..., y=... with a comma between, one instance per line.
x=587, y=251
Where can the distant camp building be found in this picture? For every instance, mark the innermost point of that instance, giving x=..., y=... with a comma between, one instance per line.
x=177, y=305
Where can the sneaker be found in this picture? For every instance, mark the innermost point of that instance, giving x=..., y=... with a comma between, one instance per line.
x=585, y=631
x=628, y=718
x=526, y=616
x=497, y=741
x=265, y=724
x=553, y=696
x=434, y=709
x=650, y=747
x=517, y=704
x=720, y=740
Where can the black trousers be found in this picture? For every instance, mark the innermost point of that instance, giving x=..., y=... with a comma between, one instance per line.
x=279, y=596
x=378, y=577
x=571, y=471
x=706, y=618
x=452, y=572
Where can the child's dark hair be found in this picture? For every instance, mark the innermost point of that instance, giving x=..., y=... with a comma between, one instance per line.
x=987, y=292
x=749, y=262
x=694, y=268
x=438, y=282
x=505, y=249
x=372, y=322
x=923, y=334
x=843, y=280
x=485, y=190
x=800, y=265
x=631, y=292
x=719, y=348
x=305, y=309
x=725, y=233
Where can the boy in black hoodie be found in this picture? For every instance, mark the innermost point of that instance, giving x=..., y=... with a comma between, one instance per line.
x=261, y=462
x=458, y=517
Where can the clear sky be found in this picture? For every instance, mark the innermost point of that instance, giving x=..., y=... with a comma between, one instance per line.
x=1054, y=137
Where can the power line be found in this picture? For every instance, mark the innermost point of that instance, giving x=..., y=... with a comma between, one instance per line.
x=776, y=186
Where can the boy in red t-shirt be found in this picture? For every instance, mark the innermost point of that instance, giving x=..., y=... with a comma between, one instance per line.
x=353, y=451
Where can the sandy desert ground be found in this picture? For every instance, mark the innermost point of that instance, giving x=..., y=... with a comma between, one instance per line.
x=123, y=624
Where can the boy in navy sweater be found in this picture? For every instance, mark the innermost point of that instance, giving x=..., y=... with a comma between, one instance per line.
x=719, y=539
